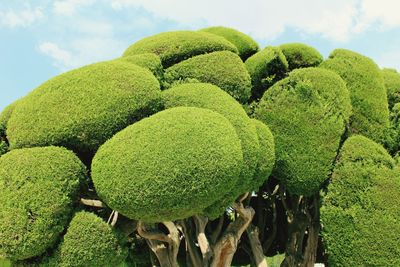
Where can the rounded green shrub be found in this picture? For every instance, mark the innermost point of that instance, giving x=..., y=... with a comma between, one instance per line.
x=203, y=95
x=82, y=108
x=367, y=92
x=37, y=189
x=360, y=214
x=173, y=47
x=90, y=241
x=223, y=69
x=5, y=117
x=266, y=159
x=307, y=113
x=245, y=45
x=391, y=79
x=169, y=166
x=300, y=55
x=148, y=61
x=265, y=68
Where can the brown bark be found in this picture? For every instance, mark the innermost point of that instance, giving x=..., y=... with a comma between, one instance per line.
x=193, y=255
x=92, y=203
x=256, y=248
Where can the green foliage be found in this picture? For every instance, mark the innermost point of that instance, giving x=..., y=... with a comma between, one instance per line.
x=300, y=55
x=82, y=108
x=265, y=68
x=307, y=113
x=391, y=79
x=37, y=188
x=224, y=69
x=266, y=159
x=169, y=166
x=5, y=117
x=367, y=92
x=148, y=61
x=245, y=45
x=392, y=138
x=173, y=47
x=90, y=241
x=360, y=214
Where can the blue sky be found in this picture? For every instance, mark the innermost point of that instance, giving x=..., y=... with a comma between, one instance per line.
x=40, y=39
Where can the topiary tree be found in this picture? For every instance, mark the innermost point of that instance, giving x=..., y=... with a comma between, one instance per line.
x=224, y=69
x=82, y=108
x=300, y=55
x=391, y=79
x=360, y=214
x=245, y=45
x=367, y=92
x=265, y=68
x=173, y=47
x=149, y=61
x=38, y=187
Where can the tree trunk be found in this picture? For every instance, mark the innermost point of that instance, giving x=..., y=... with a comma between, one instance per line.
x=256, y=248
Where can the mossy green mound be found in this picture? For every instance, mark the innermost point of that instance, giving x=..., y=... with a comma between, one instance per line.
x=148, y=61
x=360, y=214
x=5, y=117
x=173, y=47
x=90, y=241
x=367, y=92
x=266, y=159
x=169, y=166
x=37, y=189
x=82, y=108
x=265, y=68
x=245, y=45
x=223, y=69
x=391, y=79
x=307, y=114
x=300, y=55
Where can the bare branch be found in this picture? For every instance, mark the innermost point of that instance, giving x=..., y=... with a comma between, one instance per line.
x=153, y=235
x=115, y=218
x=92, y=203
x=109, y=218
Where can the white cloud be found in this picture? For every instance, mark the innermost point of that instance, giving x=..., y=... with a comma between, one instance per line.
x=61, y=57
x=69, y=7
x=20, y=18
x=389, y=59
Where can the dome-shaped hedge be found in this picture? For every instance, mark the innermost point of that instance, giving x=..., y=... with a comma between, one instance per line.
x=148, y=61
x=391, y=79
x=360, y=213
x=265, y=68
x=300, y=55
x=245, y=45
x=82, y=108
x=266, y=159
x=367, y=92
x=168, y=166
x=173, y=47
x=37, y=188
x=307, y=113
x=90, y=241
x=224, y=69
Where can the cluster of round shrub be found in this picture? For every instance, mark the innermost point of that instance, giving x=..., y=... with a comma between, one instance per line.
x=183, y=124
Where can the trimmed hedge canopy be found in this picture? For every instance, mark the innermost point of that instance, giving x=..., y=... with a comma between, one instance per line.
x=82, y=108
x=300, y=55
x=307, y=114
x=360, y=213
x=184, y=158
x=173, y=47
x=224, y=69
x=90, y=241
x=149, y=61
x=391, y=79
x=367, y=92
x=38, y=187
x=245, y=45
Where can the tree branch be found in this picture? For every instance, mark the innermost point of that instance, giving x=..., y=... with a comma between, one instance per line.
x=92, y=203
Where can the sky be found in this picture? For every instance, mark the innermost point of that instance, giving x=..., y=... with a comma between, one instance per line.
x=43, y=38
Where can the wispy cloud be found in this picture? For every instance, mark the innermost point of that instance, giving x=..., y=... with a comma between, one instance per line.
x=61, y=57
x=20, y=18
x=69, y=7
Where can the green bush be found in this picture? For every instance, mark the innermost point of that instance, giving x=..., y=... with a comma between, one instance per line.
x=391, y=79
x=307, y=113
x=37, y=189
x=90, y=241
x=245, y=45
x=82, y=108
x=360, y=211
x=367, y=92
x=224, y=69
x=300, y=55
x=148, y=61
x=266, y=160
x=265, y=68
x=5, y=117
x=173, y=47
x=169, y=166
